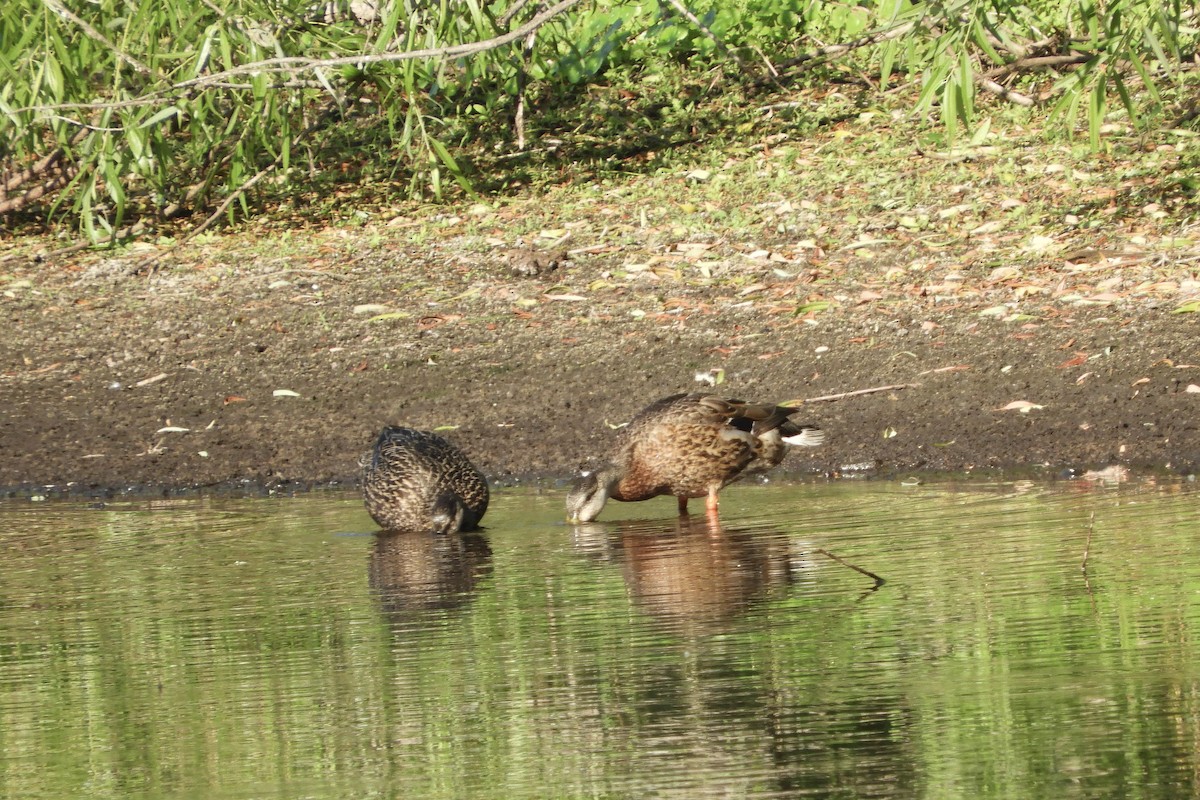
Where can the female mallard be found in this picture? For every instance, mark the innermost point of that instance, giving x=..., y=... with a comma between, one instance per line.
x=415, y=480
x=690, y=445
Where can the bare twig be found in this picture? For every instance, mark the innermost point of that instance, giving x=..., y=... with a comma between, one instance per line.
x=523, y=82
x=59, y=9
x=118, y=235
x=954, y=368
x=1087, y=545
x=293, y=65
x=687, y=14
x=511, y=13
x=316, y=124
x=838, y=50
x=213, y=217
x=853, y=394
x=1004, y=93
x=878, y=580
x=1035, y=62
x=51, y=184
x=49, y=169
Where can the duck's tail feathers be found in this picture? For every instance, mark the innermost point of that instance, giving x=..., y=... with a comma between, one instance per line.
x=802, y=435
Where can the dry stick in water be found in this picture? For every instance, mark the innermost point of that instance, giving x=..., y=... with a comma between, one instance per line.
x=1087, y=545
x=878, y=580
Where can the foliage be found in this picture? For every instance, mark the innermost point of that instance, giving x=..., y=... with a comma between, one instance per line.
x=116, y=111
x=960, y=45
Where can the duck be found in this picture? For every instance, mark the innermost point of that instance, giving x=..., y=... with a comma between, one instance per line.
x=690, y=445
x=415, y=480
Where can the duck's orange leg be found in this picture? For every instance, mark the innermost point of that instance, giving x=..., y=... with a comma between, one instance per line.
x=712, y=503
x=682, y=506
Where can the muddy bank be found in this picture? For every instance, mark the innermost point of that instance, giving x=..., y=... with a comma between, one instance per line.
x=240, y=373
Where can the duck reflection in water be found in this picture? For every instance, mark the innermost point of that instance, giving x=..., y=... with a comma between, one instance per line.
x=415, y=573
x=693, y=572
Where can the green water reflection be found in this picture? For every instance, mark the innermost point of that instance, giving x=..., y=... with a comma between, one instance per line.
x=278, y=648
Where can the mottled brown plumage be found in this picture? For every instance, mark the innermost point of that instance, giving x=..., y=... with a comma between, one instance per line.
x=416, y=480
x=690, y=445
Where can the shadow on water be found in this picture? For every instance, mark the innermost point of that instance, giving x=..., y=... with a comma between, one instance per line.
x=414, y=573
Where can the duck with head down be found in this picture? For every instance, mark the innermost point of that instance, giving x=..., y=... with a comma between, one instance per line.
x=416, y=480
x=690, y=445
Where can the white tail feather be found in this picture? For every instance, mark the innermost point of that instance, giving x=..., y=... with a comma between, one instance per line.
x=809, y=437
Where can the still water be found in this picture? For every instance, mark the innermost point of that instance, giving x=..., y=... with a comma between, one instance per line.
x=279, y=649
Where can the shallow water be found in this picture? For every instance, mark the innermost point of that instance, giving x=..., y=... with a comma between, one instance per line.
x=277, y=648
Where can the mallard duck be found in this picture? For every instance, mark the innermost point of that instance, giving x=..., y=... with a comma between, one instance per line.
x=416, y=480
x=690, y=445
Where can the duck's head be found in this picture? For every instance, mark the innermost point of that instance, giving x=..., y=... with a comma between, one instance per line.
x=447, y=513
x=589, y=494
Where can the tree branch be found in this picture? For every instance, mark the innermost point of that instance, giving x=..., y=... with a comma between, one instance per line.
x=294, y=64
x=59, y=9
x=687, y=14
x=838, y=50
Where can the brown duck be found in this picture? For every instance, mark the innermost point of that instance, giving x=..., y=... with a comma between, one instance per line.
x=417, y=481
x=690, y=445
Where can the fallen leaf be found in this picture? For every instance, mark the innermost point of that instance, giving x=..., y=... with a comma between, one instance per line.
x=371, y=308
x=1024, y=406
x=986, y=228
x=284, y=393
x=955, y=368
x=172, y=429
x=1080, y=358
x=159, y=377
x=1140, y=381
x=234, y=398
